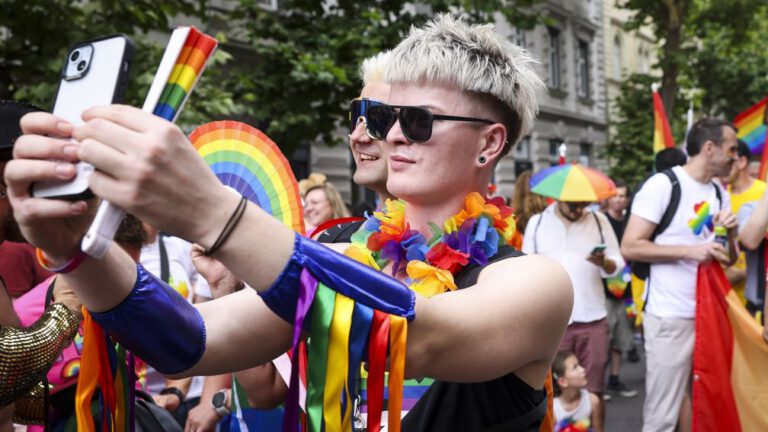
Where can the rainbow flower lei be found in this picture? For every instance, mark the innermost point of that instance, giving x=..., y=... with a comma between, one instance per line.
x=471, y=236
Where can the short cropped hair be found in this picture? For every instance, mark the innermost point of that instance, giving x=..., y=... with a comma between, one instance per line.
x=373, y=68
x=478, y=60
x=706, y=129
x=669, y=158
x=743, y=149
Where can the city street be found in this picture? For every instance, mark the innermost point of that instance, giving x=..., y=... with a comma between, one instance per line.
x=626, y=414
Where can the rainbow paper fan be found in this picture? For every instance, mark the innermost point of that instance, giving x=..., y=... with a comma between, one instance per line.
x=246, y=160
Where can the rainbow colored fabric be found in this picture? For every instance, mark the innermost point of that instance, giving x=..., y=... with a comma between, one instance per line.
x=189, y=66
x=662, y=134
x=751, y=125
x=573, y=182
x=343, y=334
x=730, y=383
x=568, y=425
x=248, y=161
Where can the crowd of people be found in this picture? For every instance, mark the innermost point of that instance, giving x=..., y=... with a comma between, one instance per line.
x=507, y=329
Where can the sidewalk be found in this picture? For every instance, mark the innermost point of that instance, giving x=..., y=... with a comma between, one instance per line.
x=626, y=414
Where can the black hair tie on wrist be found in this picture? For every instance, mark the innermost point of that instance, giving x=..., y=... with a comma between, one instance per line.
x=229, y=227
x=174, y=391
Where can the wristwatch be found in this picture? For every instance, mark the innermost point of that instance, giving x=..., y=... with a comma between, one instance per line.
x=219, y=402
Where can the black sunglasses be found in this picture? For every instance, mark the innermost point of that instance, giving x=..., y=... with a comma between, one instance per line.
x=576, y=206
x=416, y=122
x=357, y=109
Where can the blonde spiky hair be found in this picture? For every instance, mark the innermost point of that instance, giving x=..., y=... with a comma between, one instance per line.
x=476, y=59
x=372, y=69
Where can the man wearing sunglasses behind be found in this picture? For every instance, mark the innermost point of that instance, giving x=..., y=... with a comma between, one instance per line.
x=368, y=153
x=461, y=96
x=585, y=244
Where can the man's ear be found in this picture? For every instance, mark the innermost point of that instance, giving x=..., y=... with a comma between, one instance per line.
x=493, y=142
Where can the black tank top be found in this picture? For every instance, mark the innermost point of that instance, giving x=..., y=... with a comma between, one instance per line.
x=503, y=404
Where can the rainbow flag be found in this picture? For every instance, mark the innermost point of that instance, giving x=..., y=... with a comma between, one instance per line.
x=189, y=66
x=751, y=124
x=730, y=383
x=662, y=134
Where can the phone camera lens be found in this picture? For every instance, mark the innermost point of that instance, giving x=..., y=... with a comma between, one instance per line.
x=75, y=55
x=81, y=66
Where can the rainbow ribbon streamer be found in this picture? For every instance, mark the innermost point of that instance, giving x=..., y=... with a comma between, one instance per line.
x=343, y=335
x=104, y=363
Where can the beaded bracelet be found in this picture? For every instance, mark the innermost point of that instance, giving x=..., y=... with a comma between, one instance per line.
x=67, y=267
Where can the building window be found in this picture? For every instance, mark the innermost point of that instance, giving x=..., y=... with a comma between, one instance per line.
x=522, y=150
x=268, y=4
x=585, y=153
x=554, y=151
x=554, y=57
x=617, y=59
x=643, y=54
x=518, y=38
x=582, y=68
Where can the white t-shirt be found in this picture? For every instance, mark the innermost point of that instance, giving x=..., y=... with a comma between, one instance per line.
x=570, y=244
x=582, y=411
x=671, y=290
x=183, y=276
x=186, y=281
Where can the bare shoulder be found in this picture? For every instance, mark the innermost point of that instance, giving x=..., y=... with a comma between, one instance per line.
x=593, y=399
x=531, y=273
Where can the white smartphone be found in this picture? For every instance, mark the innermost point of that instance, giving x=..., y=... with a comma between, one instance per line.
x=94, y=73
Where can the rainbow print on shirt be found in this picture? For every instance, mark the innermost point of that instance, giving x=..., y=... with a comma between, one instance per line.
x=703, y=218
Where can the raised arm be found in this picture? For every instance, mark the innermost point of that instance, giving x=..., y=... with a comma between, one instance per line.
x=515, y=316
x=752, y=232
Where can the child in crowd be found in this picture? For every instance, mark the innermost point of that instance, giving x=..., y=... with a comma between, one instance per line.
x=573, y=403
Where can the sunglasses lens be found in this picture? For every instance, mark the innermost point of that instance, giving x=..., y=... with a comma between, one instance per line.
x=380, y=119
x=416, y=123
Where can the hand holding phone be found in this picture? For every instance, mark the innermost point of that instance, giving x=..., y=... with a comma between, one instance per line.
x=94, y=73
x=598, y=249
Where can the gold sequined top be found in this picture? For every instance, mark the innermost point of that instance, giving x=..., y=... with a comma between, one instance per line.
x=27, y=354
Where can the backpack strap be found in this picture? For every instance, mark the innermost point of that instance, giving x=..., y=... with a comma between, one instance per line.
x=718, y=194
x=165, y=274
x=666, y=220
x=674, y=202
x=599, y=227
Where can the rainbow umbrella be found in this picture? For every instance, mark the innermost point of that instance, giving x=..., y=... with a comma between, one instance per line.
x=573, y=182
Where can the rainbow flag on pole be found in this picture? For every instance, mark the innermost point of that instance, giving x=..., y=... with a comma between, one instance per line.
x=751, y=124
x=662, y=134
x=730, y=383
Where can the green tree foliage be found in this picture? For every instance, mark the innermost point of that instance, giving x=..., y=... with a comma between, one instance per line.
x=290, y=72
x=682, y=28
x=36, y=34
x=730, y=66
x=720, y=52
x=630, y=150
x=306, y=56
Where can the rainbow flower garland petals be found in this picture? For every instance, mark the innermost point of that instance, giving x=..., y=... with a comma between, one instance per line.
x=471, y=236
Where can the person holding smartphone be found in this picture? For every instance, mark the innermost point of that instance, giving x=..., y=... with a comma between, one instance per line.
x=461, y=97
x=583, y=242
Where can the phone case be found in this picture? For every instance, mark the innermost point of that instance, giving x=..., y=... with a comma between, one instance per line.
x=103, y=83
